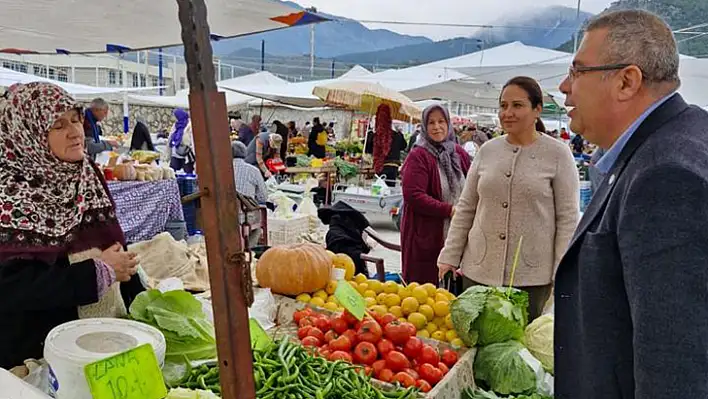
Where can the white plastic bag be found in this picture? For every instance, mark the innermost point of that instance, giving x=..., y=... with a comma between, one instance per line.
x=264, y=308
x=544, y=380
x=380, y=188
x=283, y=205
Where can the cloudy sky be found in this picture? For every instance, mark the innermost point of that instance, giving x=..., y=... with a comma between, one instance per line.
x=440, y=11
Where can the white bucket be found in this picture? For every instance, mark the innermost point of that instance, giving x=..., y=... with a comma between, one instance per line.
x=71, y=346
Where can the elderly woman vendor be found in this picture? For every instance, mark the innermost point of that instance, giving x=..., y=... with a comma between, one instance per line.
x=61, y=248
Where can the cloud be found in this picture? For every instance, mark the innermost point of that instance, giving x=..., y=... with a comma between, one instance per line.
x=440, y=11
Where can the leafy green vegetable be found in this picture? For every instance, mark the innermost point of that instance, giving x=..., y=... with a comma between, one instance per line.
x=477, y=393
x=487, y=315
x=345, y=169
x=182, y=393
x=180, y=318
x=302, y=161
x=501, y=368
x=539, y=340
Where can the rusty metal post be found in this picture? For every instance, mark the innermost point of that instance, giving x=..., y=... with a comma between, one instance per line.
x=229, y=273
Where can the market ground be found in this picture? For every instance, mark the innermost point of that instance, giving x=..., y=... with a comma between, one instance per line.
x=392, y=259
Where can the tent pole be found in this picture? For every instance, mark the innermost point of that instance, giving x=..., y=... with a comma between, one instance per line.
x=229, y=267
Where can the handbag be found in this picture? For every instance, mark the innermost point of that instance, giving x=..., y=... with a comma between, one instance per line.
x=451, y=283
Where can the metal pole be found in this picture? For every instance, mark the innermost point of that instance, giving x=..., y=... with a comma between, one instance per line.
x=126, y=111
x=333, y=68
x=229, y=268
x=312, y=50
x=160, y=77
x=73, y=73
x=262, y=55
x=577, y=20
x=218, y=71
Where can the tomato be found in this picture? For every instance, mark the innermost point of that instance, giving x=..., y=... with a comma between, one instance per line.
x=423, y=385
x=365, y=353
x=317, y=333
x=397, y=332
x=340, y=355
x=349, y=318
x=412, y=373
x=311, y=341
x=305, y=321
x=410, y=327
x=413, y=347
x=370, y=331
x=330, y=336
x=404, y=379
x=397, y=361
x=385, y=375
x=443, y=367
x=351, y=334
x=431, y=374
x=449, y=357
x=387, y=318
x=339, y=325
x=300, y=314
x=369, y=371
x=378, y=366
x=428, y=355
x=341, y=344
x=384, y=346
x=302, y=332
x=323, y=323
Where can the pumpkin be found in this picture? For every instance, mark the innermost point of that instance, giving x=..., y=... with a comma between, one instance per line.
x=294, y=269
x=344, y=262
x=124, y=172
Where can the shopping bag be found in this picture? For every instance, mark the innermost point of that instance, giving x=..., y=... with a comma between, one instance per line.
x=452, y=282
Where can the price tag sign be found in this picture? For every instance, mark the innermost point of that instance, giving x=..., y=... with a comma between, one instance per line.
x=259, y=338
x=134, y=374
x=351, y=299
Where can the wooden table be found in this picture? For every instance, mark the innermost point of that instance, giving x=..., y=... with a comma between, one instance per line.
x=327, y=170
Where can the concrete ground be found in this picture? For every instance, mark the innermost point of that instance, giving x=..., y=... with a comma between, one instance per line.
x=387, y=230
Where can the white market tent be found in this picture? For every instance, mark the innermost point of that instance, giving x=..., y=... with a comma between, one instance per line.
x=70, y=26
x=356, y=72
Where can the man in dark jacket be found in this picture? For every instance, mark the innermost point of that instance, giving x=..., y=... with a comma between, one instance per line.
x=315, y=147
x=345, y=235
x=631, y=293
x=97, y=111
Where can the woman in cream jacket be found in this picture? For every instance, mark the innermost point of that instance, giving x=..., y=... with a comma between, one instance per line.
x=522, y=184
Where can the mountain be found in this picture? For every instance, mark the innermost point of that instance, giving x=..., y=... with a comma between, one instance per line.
x=332, y=39
x=560, y=21
x=679, y=14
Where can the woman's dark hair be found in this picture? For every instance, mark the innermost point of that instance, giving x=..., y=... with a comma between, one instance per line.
x=535, y=94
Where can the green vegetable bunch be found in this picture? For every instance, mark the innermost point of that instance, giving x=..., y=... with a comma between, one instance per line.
x=477, y=393
x=345, y=169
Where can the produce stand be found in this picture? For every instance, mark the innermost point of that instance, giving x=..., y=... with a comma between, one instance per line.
x=328, y=171
x=367, y=203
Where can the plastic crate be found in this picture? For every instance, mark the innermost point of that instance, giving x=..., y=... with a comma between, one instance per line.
x=287, y=231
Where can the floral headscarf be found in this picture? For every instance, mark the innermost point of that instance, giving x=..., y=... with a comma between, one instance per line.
x=48, y=207
x=445, y=152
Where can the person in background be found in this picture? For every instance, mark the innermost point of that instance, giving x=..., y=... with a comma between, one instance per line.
x=432, y=178
x=578, y=145
x=180, y=146
x=262, y=148
x=246, y=133
x=317, y=142
x=292, y=129
x=61, y=246
x=369, y=148
x=141, y=139
x=305, y=132
x=235, y=124
x=564, y=135
x=283, y=132
x=249, y=182
x=478, y=136
x=413, y=139
x=639, y=253
x=97, y=111
x=523, y=184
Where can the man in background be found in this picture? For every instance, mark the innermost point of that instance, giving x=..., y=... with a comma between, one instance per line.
x=246, y=133
x=96, y=112
x=249, y=182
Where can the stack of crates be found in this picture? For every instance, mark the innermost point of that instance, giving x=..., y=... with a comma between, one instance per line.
x=188, y=184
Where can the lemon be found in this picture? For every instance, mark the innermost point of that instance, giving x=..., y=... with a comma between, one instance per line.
x=330, y=306
x=413, y=286
x=392, y=300
x=430, y=302
x=448, y=322
x=320, y=294
x=457, y=343
x=450, y=335
x=442, y=309
x=379, y=310
x=370, y=294
x=427, y=311
x=431, y=328
x=420, y=294
x=439, y=321
x=331, y=287
x=423, y=334
x=396, y=311
x=403, y=320
x=333, y=299
x=360, y=278
x=340, y=309
x=332, y=255
x=381, y=298
x=439, y=335
x=369, y=302
x=417, y=319
x=443, y=329
x=404, y=292
x=430, y=288
x=317, y=301
x=450, y=296
x=303, y=298
x=409, y=305
x=441, y=298
x=354, y=285
x=390, y=287
x=442, y=291
x=362, y=288
x=375, y=285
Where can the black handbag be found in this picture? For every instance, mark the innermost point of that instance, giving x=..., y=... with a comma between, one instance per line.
x=452, y=283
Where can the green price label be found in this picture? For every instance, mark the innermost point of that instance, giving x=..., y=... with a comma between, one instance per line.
x=259, y=338
x=350, y=299
x=134, y=374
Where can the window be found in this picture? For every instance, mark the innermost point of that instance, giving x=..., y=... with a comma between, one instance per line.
x=8, y=65
x=182, y=83
x=112, y=77
x=39, y=70
x=142, y=81
x=62, y=76
x=154, y=81
x=136, y=80
x=22, y=68
x=52, y=73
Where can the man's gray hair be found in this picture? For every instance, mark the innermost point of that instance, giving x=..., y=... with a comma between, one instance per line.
x=99, y=103
x=238, y=149
x=640, y=38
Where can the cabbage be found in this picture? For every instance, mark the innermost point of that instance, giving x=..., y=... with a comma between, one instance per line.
x=501, y=368
x=477, y=393
x=539, y=340
x=180, y=318
x=488, y=315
